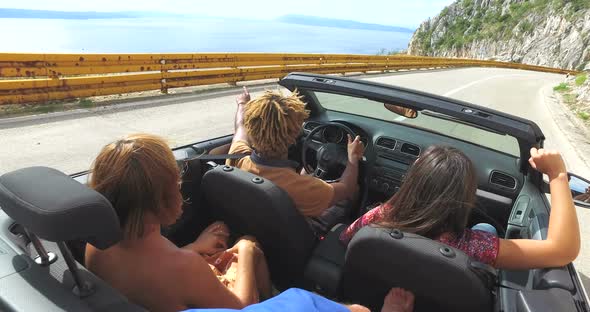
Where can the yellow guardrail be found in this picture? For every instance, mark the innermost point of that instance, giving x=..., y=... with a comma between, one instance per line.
x=33, y=78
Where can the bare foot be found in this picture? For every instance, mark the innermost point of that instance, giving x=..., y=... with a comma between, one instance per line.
x=357, y=308
x=398, y=300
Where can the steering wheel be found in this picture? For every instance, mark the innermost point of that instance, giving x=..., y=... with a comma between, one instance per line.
x=330, y=156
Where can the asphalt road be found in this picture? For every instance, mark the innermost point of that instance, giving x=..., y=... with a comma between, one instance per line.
x=70, y=141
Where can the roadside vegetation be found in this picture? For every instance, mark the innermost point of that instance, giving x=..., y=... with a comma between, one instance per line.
x=44, y=108
x=384, y=51
x=575, y=94
x=580, y=79
x=494, y=23
x=562, y=87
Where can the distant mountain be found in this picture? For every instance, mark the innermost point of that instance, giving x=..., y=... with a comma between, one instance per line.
x=23, y=13
x=330, y=22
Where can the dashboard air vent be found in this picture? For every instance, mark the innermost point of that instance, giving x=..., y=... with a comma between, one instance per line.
x=386, y=143
x=503, y=179
x=410, y=149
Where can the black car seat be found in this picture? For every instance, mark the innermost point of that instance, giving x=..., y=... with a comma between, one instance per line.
x=43, y=208
x=442, y=278
x=251, y=205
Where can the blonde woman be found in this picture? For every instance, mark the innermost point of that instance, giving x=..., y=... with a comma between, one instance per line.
x=140, y=178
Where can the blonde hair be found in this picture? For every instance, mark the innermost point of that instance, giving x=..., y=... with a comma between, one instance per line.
x=273, y=122
x=138, y=174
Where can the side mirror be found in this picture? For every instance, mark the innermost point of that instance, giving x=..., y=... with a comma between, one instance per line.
x=580, y=188
x=400, y=110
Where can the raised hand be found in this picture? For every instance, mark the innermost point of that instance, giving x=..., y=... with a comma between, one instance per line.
x=244, y=97
x=548, y=162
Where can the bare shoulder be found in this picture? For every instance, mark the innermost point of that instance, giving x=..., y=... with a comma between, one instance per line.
x=186, y=261
x=188, y=272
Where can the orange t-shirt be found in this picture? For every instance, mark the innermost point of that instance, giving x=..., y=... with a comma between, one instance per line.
x=311, y=195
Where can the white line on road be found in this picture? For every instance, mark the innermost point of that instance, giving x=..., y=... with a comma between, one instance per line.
x=453, y=91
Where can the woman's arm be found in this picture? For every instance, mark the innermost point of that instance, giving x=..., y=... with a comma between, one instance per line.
x=563, y=235
x=245, y=286
x=204, y=290
x=212, y=240
x=201, y=288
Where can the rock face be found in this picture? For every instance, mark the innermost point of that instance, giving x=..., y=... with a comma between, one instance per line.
x=584, y=96
x=553, y=33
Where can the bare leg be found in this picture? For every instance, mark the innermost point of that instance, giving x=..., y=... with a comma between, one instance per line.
x=398, y=300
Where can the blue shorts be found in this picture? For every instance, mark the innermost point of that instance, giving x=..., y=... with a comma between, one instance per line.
x=291, y=300
x=485, y=227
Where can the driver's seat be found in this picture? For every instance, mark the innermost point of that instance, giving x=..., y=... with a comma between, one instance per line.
x=251, y=205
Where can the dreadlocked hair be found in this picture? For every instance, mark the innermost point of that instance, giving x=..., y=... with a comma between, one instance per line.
x=273, y=122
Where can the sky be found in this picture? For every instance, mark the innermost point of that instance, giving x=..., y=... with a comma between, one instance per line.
x=406, y=13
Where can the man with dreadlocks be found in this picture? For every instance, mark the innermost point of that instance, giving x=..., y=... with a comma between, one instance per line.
x=264, y=129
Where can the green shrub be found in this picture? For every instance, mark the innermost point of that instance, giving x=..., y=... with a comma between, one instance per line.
x=580, y=79
x=584, y=115
x=384, y=51
x=85, y=103
x=526, y=27
x=569, y=99
x=561, y=87
x=48, y=108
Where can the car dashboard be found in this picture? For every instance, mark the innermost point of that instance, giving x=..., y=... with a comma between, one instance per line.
x=391, y=148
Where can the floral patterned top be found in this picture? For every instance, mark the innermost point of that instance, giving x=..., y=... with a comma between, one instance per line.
x=479, y=245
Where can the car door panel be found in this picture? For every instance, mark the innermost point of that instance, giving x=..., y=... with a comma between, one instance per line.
x=28, y=286
x=216, y=146
x=550, y=289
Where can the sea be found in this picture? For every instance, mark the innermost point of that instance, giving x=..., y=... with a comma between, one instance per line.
x=161, y=35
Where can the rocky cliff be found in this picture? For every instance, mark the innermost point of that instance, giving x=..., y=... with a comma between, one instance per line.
x=553, y=33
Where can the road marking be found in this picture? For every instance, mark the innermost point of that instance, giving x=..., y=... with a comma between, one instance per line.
x=451, y=92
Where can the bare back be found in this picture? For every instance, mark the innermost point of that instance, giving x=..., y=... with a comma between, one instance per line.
x=154, y=273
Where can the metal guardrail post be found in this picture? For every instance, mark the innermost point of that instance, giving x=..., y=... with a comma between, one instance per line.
x=163, y=71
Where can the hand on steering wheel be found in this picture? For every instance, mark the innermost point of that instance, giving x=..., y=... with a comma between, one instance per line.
x=356, y=149
x=331, y=156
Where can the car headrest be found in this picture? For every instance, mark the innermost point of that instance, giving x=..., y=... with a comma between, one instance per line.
x=441, y=277
x=251, y=205
x=57, y=208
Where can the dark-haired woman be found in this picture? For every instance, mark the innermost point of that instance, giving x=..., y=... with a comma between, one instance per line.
x=438, y=195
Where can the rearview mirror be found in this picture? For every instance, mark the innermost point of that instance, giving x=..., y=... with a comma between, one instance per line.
x=400, y=110
x=580, y=188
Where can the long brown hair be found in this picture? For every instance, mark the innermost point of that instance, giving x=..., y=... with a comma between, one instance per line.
x=436, y=196
x=138, y=174
x=273, y=122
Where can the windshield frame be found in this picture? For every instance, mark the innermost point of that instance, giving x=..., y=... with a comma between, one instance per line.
x=311, y=93
x=527, y=132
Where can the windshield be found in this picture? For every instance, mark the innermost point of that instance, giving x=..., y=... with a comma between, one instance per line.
x=432, y=121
